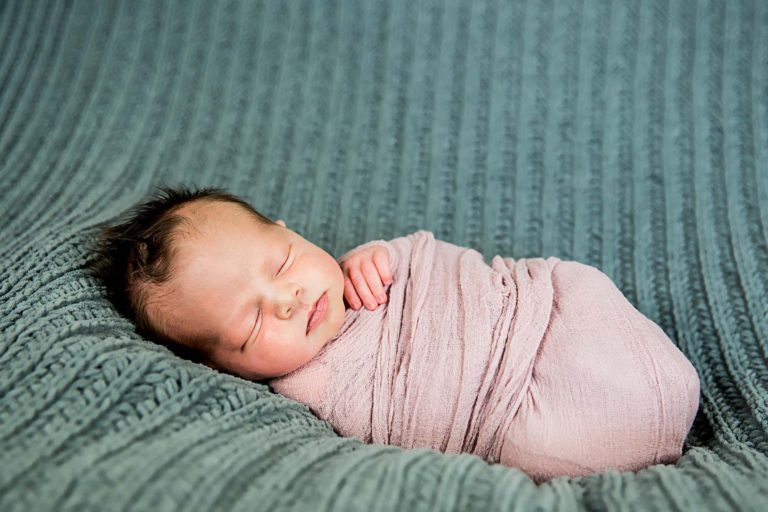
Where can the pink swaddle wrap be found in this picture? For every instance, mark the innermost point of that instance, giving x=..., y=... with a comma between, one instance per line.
x=539, y=364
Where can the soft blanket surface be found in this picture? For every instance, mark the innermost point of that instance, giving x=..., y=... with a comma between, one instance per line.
x=630, y=136
x=541, y=365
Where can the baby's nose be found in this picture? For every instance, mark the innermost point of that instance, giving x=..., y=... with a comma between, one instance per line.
x=290, y=303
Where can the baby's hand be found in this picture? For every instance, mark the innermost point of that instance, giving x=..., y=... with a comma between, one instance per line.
x=366, y=274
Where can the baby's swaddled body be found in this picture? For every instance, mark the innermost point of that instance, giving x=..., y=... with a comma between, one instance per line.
x=540, y=364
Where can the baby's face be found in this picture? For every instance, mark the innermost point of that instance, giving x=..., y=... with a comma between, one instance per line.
x=251, y=289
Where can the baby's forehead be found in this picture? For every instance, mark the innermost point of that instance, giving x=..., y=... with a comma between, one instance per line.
x=211, y=214
x=217, y=252
x=202, y=224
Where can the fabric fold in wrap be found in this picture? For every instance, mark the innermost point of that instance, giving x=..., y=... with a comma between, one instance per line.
x=540, y=364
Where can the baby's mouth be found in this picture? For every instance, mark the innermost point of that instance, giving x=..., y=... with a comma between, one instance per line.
x=313, y=311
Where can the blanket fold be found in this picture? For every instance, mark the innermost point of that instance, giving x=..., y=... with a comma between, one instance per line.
x=540, y=364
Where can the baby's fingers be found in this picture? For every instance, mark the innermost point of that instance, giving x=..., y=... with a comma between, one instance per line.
x=349, y=293
x=358, y=279
x=361, y=288
x=374, y=293
x=381, y=260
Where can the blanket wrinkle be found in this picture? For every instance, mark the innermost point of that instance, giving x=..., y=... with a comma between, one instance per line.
x=537, y=363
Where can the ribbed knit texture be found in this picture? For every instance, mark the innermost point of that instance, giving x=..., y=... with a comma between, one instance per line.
x=631, y=136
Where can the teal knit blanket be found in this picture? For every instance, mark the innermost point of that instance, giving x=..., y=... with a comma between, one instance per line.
x=631, y=136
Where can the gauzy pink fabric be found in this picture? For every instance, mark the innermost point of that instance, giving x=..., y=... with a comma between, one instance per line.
x=539, y=364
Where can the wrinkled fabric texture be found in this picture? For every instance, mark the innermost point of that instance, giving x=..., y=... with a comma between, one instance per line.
x=540, y=364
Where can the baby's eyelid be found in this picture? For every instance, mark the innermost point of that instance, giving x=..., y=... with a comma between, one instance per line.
x=250, y=335
x=288, y=257
x=256, y=322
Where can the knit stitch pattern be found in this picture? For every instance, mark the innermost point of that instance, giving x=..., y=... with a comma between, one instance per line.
x=630, y=136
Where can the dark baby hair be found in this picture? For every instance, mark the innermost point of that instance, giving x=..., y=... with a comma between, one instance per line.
x=140, y=252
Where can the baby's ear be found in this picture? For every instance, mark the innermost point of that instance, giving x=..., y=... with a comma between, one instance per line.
x=281, y=222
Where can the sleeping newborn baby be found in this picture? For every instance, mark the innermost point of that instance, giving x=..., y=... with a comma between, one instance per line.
x=539, y=364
